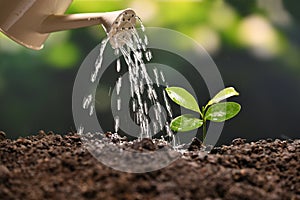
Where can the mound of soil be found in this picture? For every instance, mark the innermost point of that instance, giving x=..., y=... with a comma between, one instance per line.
x=51, y=166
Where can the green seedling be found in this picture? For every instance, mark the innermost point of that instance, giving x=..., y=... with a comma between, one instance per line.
x=214, y=110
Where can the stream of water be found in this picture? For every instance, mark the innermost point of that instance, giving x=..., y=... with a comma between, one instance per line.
x=133, y=48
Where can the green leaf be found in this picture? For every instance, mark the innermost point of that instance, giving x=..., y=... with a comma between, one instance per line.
x=183, y=98
x=222, y=111
x=185, y=123
x=223, y=94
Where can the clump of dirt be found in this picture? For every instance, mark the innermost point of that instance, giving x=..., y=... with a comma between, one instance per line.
x=52, y=166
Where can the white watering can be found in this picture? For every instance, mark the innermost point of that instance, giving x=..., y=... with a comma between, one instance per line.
x=29, y=22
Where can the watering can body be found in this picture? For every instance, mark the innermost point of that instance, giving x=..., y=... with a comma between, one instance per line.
x=21, y=20
x=29, y=22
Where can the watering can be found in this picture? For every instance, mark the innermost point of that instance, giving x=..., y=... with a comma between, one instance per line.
x=29, y=22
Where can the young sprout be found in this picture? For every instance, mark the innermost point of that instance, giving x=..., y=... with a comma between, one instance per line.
x=214, y=110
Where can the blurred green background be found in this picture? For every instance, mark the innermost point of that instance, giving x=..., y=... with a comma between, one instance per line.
x=255, y=44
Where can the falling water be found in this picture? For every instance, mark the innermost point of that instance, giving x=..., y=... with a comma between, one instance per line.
x=162, y=76
x=134, y=51
x=99, y=60
x=156, y=76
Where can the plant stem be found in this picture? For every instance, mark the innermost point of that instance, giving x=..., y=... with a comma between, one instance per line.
x=204, y=130
x=204, y=123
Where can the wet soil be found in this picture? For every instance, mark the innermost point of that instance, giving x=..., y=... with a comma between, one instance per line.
x=51, y=166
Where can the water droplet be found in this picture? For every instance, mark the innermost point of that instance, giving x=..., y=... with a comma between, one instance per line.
x=118, y=65
x=117, y=123
x=144, y=47
x=145, y=39
x=168, y=130
x=155, y=128
x=148, y=55
x=167, y=105
x=80, y=130
x=142, y=27
x=119, y=85
x=162, y=76
x=119, y=103
x=133, y=105
x=92, y=108
x=146, y=108
x=87, y=101
x=109, y=91
x=156, y=76
x=142, y=86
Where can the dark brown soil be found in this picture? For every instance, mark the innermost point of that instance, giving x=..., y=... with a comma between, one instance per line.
x=51, y=166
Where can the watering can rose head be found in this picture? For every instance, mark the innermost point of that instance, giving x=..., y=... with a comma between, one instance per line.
x=120, y=30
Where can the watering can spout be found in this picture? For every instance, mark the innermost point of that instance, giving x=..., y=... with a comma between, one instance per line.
x=108, y=20
x=30, y=22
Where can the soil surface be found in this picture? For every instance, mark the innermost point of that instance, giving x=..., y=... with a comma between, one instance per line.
x=51, y=166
